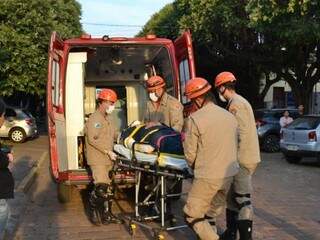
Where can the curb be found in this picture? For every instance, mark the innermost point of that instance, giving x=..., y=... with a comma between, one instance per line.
x=27, y=181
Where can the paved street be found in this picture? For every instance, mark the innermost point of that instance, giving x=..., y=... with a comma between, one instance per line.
x=26, y=156
x=286, y=199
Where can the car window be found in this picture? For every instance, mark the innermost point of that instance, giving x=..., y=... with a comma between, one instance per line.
x=10, y=113
x=305, y=123
x=294, y=114
x=278, y=115
x=262, y=114
x=258, y=114
x=27, y=113
x=21, y=114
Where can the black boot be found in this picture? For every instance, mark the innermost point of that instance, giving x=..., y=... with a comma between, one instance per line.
x=108, y=217
x=94, y=215
x=245, y=229
x=231, y=232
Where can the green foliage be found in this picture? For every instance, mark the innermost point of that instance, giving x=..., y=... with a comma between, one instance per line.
x=291, y=30
x=163, y=23
x=25, y=28
x=253, y=38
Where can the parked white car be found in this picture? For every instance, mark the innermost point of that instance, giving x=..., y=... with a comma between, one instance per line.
x=19, y=125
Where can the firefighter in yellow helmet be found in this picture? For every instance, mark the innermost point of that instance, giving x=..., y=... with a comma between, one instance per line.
x=162, y=108
x=99, y=136
x=210, y=148
x=239, y=211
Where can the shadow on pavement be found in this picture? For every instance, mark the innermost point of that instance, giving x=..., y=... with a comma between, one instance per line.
x=278, y=222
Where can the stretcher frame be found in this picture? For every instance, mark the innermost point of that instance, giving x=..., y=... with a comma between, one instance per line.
x=161, y=179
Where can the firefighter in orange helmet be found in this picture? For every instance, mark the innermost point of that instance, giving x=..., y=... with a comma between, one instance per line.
x=239, y=208
x=162, y=108
x=210, y=148
x=99, y=136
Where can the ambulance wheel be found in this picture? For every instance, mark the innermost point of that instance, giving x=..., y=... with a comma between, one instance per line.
x=64, y=192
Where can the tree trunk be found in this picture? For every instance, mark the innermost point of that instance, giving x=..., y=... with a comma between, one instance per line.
x=302, y=93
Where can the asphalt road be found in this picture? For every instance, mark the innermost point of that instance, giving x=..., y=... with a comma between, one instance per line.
x=286, y=202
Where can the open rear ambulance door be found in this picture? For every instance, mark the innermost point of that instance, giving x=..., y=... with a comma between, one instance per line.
x=185, y=61
x=55, y=109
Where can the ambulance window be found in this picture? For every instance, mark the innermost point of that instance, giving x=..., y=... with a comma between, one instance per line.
x=163, y=68
x=55, y=83
x=184, y=77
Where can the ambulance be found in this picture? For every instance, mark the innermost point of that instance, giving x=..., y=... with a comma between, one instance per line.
x=79, y=68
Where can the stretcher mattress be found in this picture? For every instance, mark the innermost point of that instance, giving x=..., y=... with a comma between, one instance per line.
x=168, y=161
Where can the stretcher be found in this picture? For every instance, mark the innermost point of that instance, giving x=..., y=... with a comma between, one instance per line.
x=163, y=168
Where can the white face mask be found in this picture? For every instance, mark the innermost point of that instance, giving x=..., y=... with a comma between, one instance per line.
x=153, y=97
x=222, y=98
x=110, y=109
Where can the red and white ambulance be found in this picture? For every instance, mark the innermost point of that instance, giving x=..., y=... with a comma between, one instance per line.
x=78, y=68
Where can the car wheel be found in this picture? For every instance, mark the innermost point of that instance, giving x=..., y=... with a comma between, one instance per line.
x=293, y=159
x=271, y=143
x=17, y=135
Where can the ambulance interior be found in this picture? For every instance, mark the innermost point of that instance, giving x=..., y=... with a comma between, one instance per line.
x=124, y=68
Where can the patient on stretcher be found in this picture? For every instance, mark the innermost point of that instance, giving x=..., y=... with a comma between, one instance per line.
x=158, y=144
x=159, y=138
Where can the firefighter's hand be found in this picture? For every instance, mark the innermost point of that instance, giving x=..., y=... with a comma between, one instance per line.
x=10, y=157
x=112, y=155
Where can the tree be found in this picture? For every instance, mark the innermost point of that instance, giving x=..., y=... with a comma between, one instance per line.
x=222, y=39
x=25, y=28
x=254, y=38
x=163, y=23
x=291, y=29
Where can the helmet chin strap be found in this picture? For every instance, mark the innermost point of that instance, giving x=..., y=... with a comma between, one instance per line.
x=201, y=105
x=223, y=91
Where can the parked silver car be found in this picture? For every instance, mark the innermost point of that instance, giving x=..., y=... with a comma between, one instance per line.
x=19, y=125
x=301, y=139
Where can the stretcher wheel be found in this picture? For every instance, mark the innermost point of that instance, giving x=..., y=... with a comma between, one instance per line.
x=132, y=228
x=157, y=235
x=160, y=237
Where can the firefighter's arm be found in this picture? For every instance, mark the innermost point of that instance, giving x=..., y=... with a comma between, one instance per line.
x=93, y=132
x=176, y=116
x=241, y=114
x=190, y=143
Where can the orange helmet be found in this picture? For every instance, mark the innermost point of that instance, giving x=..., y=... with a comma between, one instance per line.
x=223, y=78
x=196, y=87
x=108, y=95
x=154, y=83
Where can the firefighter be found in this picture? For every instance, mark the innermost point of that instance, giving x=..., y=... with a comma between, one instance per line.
x=239, y=210
x=210, y=148
x=162, y=108
x=99, y=135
